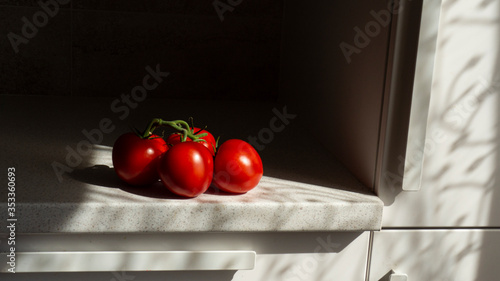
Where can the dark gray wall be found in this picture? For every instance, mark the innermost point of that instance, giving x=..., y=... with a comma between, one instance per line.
x=101, y=48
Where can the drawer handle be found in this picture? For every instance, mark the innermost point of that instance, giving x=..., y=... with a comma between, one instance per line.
x=84, y=261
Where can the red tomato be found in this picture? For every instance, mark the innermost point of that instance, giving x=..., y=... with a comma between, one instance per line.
x=135, y=160
x=209, y=142
x=186, y=169
x=237, y=167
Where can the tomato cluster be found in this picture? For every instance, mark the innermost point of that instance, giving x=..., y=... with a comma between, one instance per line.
x=188, y=162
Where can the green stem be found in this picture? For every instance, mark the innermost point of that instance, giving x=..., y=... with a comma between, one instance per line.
x=151, y=127
x=179, y=125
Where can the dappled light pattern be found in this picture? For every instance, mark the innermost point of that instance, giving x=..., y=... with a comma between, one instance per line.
x=303, y=188
x=460, y=168
x=346, y=265
x=448, y=255
x=105, y=204
x=460, y=180
x=273, y=205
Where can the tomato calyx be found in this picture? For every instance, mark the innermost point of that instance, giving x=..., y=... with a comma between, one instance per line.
x=214, y=146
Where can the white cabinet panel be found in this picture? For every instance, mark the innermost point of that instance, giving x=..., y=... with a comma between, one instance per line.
x=347, y=264
x=460, y=183
x=291, y=256
x=122, y=276
x=445, y=255
x=101, y=261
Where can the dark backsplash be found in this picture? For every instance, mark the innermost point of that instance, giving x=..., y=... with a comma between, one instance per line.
x=102, y=48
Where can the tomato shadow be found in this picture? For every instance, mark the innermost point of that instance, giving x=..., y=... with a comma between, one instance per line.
x=213, y=190
x=105, y=176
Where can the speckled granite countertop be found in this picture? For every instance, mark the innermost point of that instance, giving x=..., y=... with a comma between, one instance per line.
x=303, y=188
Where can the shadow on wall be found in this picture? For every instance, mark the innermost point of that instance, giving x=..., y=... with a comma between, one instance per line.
x=471, y=119
x=461, y=174
x=462, y=167
x=488, y=268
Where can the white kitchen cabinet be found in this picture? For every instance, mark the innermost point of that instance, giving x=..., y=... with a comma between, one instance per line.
x=286, y=256
x=348, y=263
x=296, y=209
x=124, y=276
x=436, y=254
x=458, y=181
x=307, y=187
x=448, y=228
x=359, y=115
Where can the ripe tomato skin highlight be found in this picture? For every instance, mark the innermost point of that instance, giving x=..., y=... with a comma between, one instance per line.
x=209, y=142
x=237, y=167
x=186, y=169
x=135, y=160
